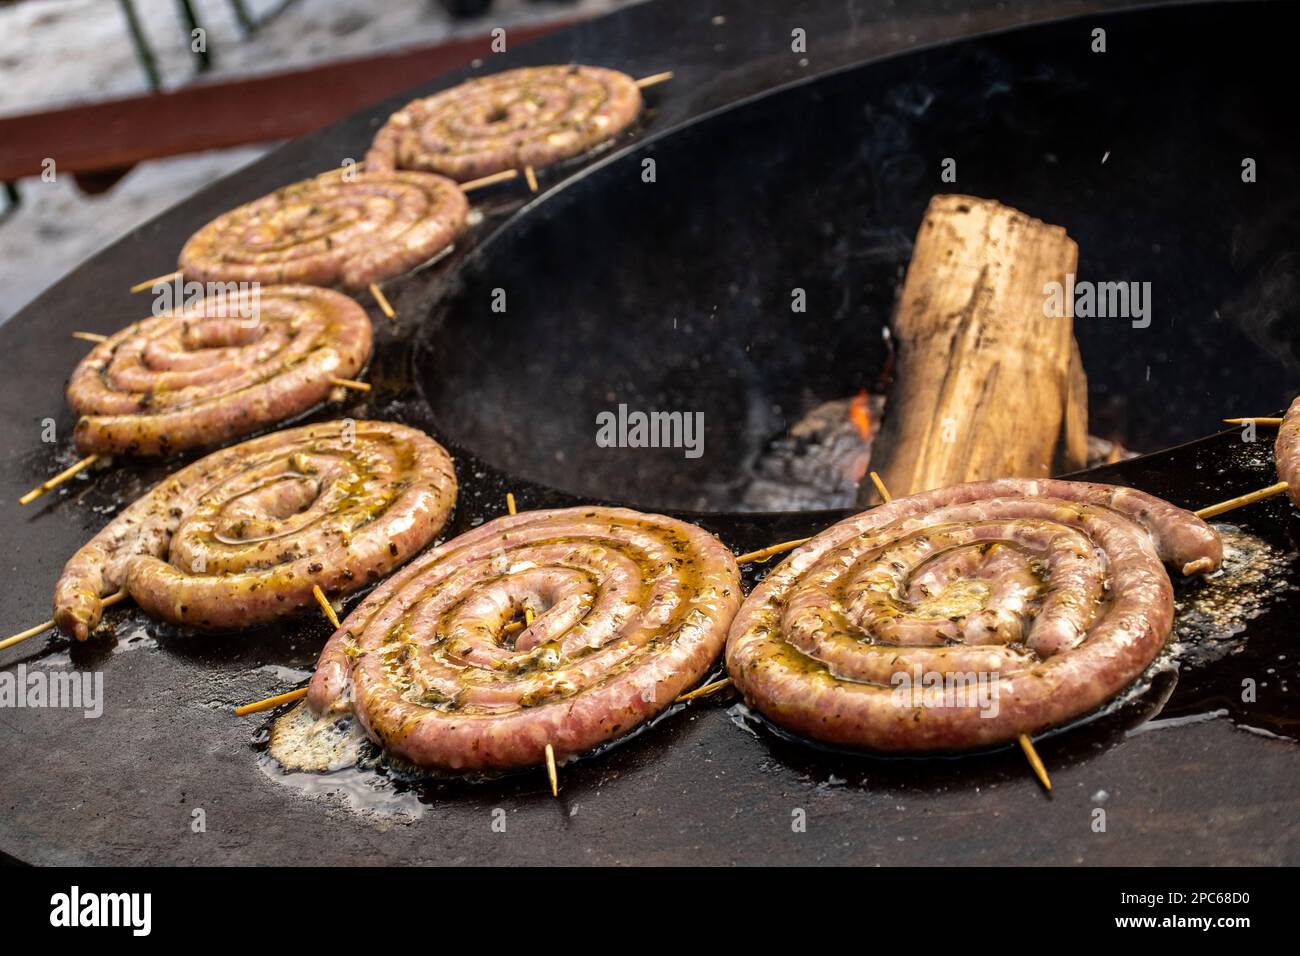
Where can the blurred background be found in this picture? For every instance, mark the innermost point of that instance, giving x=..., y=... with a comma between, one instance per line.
x=78, y=85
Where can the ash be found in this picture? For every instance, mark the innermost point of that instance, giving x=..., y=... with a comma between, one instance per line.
x=818, y=463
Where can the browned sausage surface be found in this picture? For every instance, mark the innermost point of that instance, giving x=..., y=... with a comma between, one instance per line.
x=1287, y=451
x=240, y=537
x=342, y=228
x=533, y=116
x=219, y=369
x=441, y=669
x=962, y=617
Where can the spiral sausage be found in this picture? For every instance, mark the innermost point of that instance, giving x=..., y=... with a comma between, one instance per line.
x=240, y=537
x=215, y=370
x=630, y=610
x=533, y=116
x=1027, y=603
x=336, y=229
x=1287, y=451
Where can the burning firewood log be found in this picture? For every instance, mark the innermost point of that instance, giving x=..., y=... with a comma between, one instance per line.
x=987, y=384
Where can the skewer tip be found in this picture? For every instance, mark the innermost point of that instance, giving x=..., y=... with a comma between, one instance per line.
x=531, y=176
x=488, y=180
x=1257, y=421
x=150, y=283
x=52, y=483
x=880, y=488
x=551, y=774
x=325, y=605
x=351, y=383
x=381, y=300
x=1035, y=761
x=1262, y=494
x=708, y=690
x=270, y=703
x=27, y=634
x=654, y=79
x=510, y=503
x=755, y=557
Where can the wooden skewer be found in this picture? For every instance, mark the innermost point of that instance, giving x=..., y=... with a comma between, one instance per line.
x=764, y=553
x=528, y=619
x=705, y=691
x=384, y=305
x=271, y=702
x=531, y=176
x=654, y=79
x=880, y=487
x=1257, y=421
x=351, y=383
x=550, y=771
x=756, y=557
x=1272, y=491
x=90, y=336
x=24, y=635
x=489, y=180
x=58, y=479
x=514, y=626
x=1035, y=761
x=117, y=597
x=325, y=605
x=150, y=283
x=1262, y=494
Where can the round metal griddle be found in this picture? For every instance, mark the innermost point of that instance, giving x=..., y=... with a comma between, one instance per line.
x=817, y=185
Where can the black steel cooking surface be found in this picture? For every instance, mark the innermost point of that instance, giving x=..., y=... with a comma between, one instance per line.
x=675, y=295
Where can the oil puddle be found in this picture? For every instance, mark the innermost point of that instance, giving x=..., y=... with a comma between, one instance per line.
x=302, y=741
x=322, y=757
x=121, y=632
x=330, y=759
x=1232, y=658
x=1210, y=620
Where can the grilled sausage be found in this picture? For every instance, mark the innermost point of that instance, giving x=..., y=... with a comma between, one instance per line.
x=1287, y=451
x=240, y=537
x=218, y=369
x=962, y=617
x=534, y=116
x=630, y=609
x=337, y=229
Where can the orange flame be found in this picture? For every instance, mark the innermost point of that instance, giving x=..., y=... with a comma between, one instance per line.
x=860, y=414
